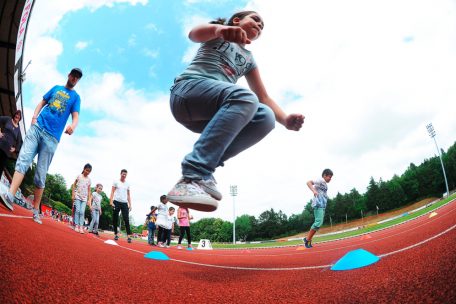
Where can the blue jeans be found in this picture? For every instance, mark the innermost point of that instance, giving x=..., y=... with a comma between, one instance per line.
x=150, y=234
x=79, y=211
x=95, y=220
x=229, y=117
x=37, y=141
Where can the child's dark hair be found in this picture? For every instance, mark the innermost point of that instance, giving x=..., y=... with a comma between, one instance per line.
x=327, y=172
x=99, y=185
x=239, y=15
x=171, y=209
x=123, y=170
x=87, y=166
x=162, y=198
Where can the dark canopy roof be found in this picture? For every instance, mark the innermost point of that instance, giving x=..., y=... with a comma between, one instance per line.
x=10, y=15
x=10, y=22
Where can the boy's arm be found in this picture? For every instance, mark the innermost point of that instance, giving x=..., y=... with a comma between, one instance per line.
x=310, y=184
x=112, y=196
x=37, y=111
x=290, y=121
x=129, y=199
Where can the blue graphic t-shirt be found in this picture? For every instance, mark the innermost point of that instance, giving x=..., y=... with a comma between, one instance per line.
x=61, y=102
x=220, y=60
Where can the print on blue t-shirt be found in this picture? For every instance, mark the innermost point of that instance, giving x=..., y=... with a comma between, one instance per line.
x=61, y=102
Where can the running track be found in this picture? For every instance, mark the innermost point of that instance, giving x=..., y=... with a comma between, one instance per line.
x=50, y=263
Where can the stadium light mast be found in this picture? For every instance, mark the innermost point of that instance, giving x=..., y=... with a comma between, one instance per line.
x=431, y=131
x=233, y=192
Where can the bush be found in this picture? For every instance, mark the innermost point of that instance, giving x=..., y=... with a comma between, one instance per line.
x=62, y=208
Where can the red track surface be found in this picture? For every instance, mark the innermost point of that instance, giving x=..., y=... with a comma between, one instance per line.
x=50, y=263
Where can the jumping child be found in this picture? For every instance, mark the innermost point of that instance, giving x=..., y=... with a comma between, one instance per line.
x=205, y=99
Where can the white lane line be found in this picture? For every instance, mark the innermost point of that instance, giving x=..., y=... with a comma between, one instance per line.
x=15, y=216
x=417, y=244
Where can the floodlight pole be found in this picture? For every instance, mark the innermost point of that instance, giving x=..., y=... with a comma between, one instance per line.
x=233, y=192
x=432, y=134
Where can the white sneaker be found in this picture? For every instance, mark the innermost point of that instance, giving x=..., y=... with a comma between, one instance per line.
x=76, y=229
x=7, y=200
x=36, y=218
x=160, y=245
x=189, y=194
x=210, y=187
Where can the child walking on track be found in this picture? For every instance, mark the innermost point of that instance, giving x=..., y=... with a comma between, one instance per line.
x=184, y=217
x=80, y=192
x=168, y=228
x=162, y=217
x=319, y=188
x=95, y=208
x=150, y=224
x=205, y=99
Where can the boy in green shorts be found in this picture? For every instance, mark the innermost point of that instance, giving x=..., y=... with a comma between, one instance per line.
x=319, y=188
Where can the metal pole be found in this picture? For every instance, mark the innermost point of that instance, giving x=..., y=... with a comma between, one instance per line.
x=346, y=218
x=233, y=192
x=432, y=134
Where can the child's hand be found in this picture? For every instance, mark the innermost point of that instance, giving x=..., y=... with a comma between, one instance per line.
x=233, y=34
x=294, y=122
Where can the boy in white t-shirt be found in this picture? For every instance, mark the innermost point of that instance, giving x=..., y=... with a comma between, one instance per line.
x=319, y=188
x=121, y=202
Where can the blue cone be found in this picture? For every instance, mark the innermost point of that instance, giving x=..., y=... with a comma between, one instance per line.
x=355, y=259
x=189, y=248
x=156, y=255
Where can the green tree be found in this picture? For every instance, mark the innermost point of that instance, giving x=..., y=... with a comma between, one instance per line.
x=244, y=225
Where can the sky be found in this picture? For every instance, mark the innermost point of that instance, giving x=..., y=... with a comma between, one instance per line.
x=367, y=75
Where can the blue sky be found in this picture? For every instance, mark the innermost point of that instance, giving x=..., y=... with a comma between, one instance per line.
x=142, y=42
x=368, y=76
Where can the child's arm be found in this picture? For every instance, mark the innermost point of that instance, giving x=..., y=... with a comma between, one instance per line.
x=89, y=202
x=179, y=213
x=206, y=32
x=73, y=187
x=89, y=195
x=310, y=184
x=291, y=121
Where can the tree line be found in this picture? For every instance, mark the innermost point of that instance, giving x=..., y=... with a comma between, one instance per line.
x=416, y=183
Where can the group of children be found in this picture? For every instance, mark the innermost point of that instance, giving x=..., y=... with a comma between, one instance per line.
x=162, y=218
x=81, y=197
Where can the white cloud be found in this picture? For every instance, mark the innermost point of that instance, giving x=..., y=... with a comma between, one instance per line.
x=80, y=45
x=366, y=93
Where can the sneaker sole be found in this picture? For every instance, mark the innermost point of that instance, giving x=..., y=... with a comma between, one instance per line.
x=6, y=203
x=205, y=204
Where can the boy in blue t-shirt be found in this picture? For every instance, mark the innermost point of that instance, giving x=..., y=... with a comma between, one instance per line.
x=319, y=189
x=48, y=122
